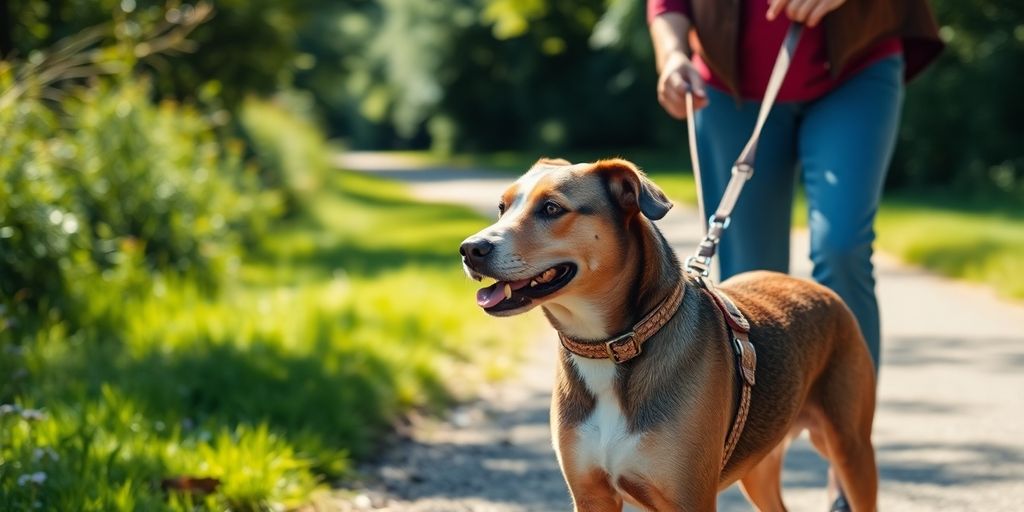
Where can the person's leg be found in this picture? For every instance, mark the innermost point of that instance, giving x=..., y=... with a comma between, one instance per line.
x=758, y=237
x=846, y=140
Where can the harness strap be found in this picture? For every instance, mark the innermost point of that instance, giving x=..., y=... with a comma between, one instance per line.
x=746, y=363
x=743, y=168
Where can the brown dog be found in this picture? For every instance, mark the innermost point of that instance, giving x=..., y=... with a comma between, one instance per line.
x=579, y=241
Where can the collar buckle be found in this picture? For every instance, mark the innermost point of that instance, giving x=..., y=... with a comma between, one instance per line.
x=623, y=348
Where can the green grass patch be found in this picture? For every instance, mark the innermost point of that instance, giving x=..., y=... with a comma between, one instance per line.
x=348, y=315
x=981, y=241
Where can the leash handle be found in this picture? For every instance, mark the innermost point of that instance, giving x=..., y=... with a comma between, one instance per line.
x=743, y=168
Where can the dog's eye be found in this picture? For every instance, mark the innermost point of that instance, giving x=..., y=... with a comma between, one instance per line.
x=551, y=209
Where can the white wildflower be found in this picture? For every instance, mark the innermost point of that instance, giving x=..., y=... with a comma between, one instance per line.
x=33, y=414
x=37, y=478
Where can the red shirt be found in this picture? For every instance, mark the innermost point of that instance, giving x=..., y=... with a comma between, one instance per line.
x=809, y=76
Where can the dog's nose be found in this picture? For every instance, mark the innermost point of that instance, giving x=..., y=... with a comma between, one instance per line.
x=475, y=248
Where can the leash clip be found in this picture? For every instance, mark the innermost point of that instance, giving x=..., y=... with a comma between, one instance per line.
x=716, y=227
x=700, y=265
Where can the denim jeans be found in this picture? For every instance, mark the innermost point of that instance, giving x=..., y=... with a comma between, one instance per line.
x=840, y=146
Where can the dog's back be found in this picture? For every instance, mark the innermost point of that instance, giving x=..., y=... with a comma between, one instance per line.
x=811, y=356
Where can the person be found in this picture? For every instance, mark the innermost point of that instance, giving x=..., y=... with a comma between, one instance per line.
x=835, y=124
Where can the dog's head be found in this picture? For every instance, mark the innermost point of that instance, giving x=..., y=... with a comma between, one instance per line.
x=561, y=234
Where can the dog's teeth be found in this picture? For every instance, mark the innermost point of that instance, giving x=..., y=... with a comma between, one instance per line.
x=508, y=291
x=533, y=283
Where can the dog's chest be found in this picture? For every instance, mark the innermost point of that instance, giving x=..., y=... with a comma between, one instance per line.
x=604, y=440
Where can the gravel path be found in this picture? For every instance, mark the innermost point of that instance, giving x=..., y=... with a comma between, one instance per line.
x=949, y=430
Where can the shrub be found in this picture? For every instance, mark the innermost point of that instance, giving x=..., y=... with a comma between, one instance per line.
x=157, y=175
x=41, y=240
x=291, y=151
x=961, y=126
x=108, y=181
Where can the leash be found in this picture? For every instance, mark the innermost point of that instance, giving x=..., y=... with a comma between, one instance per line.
x=699, y=264
x=743, y=168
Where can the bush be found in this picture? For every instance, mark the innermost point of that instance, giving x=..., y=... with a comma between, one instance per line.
x=961, y=126
x=109, y=180
x=157, y=175
x=41, y=241
x=291, y=151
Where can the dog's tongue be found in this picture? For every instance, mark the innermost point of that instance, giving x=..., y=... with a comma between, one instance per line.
x=495, y=293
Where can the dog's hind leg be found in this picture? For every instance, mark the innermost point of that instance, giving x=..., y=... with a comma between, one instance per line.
x=848, y=404
x=763, y=483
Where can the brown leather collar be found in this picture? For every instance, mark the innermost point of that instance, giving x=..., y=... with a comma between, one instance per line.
x=626, y=346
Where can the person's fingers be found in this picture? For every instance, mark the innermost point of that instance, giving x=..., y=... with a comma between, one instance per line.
x=696, y=82
x=676, y=98
x=671, y=96
x=774, y=8
x=820, y=11
x=674, y=85
x=700, y=102
x=675, y=103
x=674, y=109
x=797, y=9
x=809, y=5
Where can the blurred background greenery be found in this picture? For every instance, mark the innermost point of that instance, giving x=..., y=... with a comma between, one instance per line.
x=484, y=75
x=189, y=290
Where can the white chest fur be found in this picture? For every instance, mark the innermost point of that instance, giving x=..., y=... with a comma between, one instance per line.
x=604, y=440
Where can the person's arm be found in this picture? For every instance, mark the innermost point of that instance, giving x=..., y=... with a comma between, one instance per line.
x=676, y=74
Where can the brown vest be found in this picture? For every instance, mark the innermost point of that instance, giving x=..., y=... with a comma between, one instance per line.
x=851, y=29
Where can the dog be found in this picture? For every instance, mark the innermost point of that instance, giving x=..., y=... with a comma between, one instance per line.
x=666, y=421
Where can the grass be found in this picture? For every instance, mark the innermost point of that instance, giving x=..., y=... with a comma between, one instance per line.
x=982, y=242
x=348, y=316
x=978, y=241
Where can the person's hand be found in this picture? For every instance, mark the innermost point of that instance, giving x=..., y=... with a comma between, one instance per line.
x=678, y=76
x=809, y=12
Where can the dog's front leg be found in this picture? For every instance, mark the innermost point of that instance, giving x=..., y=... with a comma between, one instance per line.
x=592, y=492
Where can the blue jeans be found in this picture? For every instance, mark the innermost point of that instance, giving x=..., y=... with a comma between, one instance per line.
x=841, y=145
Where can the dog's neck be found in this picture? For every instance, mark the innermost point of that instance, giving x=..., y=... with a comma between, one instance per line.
x=649, y=276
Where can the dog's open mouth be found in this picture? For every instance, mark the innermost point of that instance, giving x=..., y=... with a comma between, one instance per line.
x=508, y=295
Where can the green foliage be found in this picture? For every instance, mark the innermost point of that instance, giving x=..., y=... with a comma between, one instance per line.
x=981, y=242
x=458, y=75
x=292, y=152
x=962, y=124
x=41, y=242
x=113, y=181
x=479, y=75
x=140, y=348
x=157, y=176
x=351, y=314
x=247, y=47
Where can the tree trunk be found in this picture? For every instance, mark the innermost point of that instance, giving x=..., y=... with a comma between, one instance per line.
x=6, y=29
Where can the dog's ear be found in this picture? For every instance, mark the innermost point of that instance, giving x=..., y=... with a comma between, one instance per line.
x=633, y=189
x=551, y=161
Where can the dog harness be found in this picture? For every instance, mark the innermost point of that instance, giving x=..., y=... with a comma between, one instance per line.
x=746, y=361
x=625, y=347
